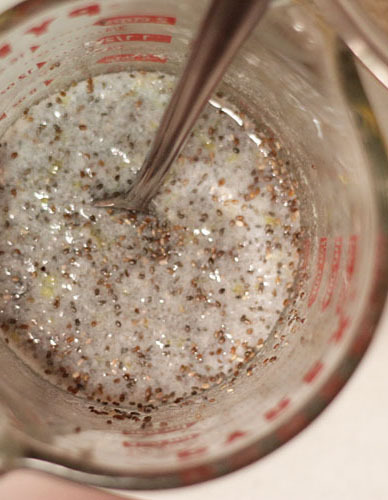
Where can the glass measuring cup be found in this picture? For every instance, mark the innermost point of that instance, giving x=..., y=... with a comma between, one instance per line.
x=296, y=77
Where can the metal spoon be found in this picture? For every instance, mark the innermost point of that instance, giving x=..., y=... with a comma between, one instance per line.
x=225, y=27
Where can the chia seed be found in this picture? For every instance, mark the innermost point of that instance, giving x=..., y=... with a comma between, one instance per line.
x=195, y=283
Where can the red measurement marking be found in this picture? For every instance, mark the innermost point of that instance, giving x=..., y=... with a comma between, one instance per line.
x=313, y=372
x=319, y=273
x=41, y=64
x=42, y=28
x=2, y=116
x=183, y=454
x=235, y=435
x=306, y=254
x=335, y=265
x=19, y=102
x=339, y=333
x=135, y=37
x=132, y=57
x=158, y=444
x=5, y=50
x=276, y=410
x=160, y=431
x=33, y=48
x=25, y=75
x=341, y=299
x=12, y=84
x=350, y=267
x=47, y=82
x=112, y=21
x=109, y=48
x=352, y=251
x=90, y=10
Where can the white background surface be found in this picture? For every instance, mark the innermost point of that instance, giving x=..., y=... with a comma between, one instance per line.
x=342, y=455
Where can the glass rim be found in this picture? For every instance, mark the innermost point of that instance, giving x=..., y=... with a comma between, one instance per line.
x=363, y=36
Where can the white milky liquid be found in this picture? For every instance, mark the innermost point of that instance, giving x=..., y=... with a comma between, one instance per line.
x=155, y=307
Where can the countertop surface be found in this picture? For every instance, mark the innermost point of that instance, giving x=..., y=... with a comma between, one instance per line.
x=342, y=455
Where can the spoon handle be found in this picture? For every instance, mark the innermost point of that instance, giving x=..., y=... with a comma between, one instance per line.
x=225, y=27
